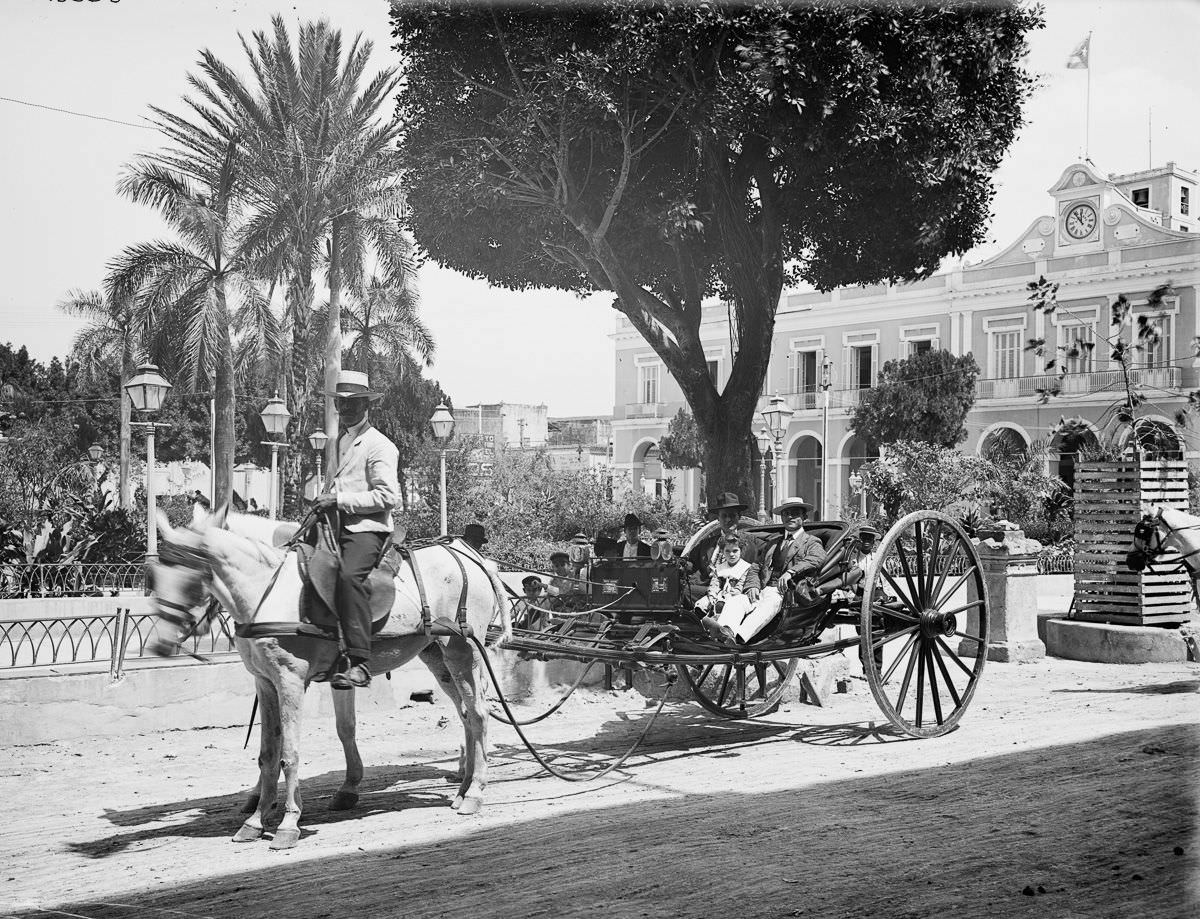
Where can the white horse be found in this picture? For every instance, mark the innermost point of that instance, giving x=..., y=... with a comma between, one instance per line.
x=233, y=559
x=1164, y=531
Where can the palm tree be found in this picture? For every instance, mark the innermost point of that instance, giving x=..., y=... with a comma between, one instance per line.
x=320, y=168
x=383, y=332
x=190, y=282
x=112, y=336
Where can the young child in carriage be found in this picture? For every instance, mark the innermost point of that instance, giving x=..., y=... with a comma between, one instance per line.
x=726, y=604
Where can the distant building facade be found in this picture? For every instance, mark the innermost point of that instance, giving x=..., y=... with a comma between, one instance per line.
x=503, y=424
x=1105, y=236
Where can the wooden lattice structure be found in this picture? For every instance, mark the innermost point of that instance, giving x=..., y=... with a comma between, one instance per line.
x=1109, y=497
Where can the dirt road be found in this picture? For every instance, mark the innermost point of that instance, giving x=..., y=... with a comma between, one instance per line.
x=1070, y=790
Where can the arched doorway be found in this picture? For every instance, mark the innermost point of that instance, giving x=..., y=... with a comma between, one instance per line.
x=805, y=458
x=647, y=470
x=1004, y=443
x=855, y=455
x=1157, y=439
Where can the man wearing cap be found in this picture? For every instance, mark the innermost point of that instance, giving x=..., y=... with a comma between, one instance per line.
x=786, y=558
x=364, y=491
x=727, y=508
x=633, y=546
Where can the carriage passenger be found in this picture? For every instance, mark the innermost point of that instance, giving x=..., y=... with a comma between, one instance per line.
x=727, y=602
x=530, y=611
x=632, y=546
x=727, y=508
x=788, y=559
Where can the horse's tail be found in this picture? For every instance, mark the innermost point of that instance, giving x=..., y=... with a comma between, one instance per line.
x=501, y=592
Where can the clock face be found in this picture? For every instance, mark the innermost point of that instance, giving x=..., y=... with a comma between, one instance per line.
x=1081, y=220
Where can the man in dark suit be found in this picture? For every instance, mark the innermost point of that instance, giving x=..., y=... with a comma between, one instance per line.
x=632, y=546
x=786, y=559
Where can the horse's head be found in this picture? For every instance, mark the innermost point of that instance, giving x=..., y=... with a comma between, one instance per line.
x=1147, y=543
x=180, y=581
x=1166, y=531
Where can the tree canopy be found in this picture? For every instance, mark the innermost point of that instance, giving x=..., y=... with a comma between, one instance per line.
x=671, y=153
x=925, y=397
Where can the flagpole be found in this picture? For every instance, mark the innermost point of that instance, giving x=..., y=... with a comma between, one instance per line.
x=1087, y=118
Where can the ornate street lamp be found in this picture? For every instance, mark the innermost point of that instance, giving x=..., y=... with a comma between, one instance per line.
x=146, y=390
x=442, y=423
x=275, y=419
x=777, y=414
x=764, y=444
x=856, y=486
x=317, y=440
x=94, y=452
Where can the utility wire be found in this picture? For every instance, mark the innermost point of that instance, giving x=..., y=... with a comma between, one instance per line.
x=67, y=111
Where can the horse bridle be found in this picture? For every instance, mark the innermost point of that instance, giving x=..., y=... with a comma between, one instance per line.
x=1147, y=533
x=179, y=614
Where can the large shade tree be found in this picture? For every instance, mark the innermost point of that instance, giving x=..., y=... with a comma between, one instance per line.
x=672, y=153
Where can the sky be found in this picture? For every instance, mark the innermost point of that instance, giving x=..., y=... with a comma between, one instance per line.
x=61, y=219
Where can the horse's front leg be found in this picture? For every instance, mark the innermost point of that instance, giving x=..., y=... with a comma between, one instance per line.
x=466, y=672
x=262, y=799
x=290, y=686
x=344, y=718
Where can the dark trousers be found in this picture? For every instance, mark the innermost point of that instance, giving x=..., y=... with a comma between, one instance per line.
x=360, y=551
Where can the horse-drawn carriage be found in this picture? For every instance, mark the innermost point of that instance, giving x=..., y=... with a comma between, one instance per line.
x=916, y=603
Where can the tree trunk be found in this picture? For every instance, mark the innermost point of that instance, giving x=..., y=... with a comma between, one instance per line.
x=224, y=440
x=333, y=346
x=125, y=410
x=727, y=458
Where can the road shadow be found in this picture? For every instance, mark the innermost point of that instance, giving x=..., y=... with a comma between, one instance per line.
x=1149, y=689
x=1096, y=828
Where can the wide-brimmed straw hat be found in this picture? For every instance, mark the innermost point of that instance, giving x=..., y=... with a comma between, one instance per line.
x=792, y=503
x=353, y=384
x=726, y=501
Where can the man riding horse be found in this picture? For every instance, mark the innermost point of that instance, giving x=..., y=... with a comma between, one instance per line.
x=364, y=492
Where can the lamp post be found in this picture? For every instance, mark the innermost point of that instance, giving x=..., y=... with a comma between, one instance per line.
x=777, y=414
x=764, y=444
x=856, y=486
x=317, y=440
x=275, y=419
x=442, y=423
x=146, y=390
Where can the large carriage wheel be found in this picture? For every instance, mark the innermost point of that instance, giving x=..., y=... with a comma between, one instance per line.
x=744, y=690
x=926, y=614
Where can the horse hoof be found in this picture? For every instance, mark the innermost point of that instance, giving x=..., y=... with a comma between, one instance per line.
x=285, y=839
x=343, y=801
x=247, y=833
x=470, y=807
x=456, y=803
x=250, y=805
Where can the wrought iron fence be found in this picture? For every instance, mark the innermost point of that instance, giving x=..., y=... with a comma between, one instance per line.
x=73, y=580
x=115, y=638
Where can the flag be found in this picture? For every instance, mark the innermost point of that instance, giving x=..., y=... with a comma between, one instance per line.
x=1079, y=57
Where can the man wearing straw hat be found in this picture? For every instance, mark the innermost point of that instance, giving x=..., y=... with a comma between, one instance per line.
x=786, y=559
x=363, y=493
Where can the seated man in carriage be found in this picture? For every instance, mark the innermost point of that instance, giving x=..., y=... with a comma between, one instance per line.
x=702, y=559
x=788, y=561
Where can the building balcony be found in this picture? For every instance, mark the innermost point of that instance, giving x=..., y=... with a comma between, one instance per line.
x=635, y=410
x=811, y=401
x=1102, y=381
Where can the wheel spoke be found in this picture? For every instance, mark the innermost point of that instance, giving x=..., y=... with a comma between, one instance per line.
x=957, y=584
x=760, y=672
x=920, y=682
x=934, y=655
x=880, y=610
x=933, y=684
x=937, y=591
x=934, y=552
x=913, y=591
x=954, y=657
x=969, y=637
x=900, y=594
x=918, y=538
x=899, y=657
x=912, y=659
x=705, y=671
x=724, y=685
x=963, y=608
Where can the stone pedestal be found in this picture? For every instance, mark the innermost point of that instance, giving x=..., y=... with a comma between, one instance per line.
x=1010, y=574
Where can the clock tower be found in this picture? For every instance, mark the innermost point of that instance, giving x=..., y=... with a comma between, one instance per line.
x=1079, y=200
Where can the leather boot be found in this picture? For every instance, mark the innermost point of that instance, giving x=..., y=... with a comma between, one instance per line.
x=357, y=677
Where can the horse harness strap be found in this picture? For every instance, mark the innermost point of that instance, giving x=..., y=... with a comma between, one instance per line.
x=409, y=554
